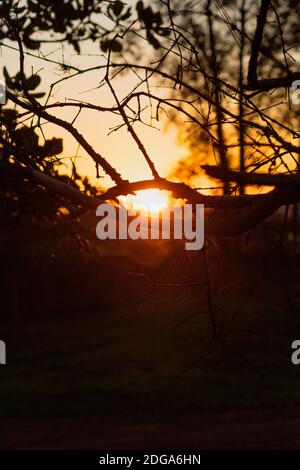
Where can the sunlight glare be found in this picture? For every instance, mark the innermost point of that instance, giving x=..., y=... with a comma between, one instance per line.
x=148, y=200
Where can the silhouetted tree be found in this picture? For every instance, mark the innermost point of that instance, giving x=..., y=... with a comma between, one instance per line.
x=206, y=93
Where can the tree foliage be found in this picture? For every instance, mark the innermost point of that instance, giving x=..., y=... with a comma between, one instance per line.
x=217, y=64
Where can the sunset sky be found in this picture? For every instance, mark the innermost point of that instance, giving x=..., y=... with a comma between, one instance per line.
x=118, y=148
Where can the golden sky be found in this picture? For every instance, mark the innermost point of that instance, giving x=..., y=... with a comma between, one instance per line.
x=118, y=148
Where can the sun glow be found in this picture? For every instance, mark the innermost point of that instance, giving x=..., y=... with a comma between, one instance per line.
x=148, y=200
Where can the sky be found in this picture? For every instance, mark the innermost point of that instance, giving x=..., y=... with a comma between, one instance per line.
x=118, y=147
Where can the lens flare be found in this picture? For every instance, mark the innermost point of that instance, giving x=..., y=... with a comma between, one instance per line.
x=148, y=200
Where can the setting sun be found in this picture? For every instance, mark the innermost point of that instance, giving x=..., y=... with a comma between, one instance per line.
x=151, y=200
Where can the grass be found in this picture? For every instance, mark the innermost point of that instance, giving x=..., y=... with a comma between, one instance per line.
x=107, y=362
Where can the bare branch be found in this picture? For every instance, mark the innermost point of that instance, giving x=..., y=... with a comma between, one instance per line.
x=115, y=176
x=256, y=43
x=260, y=179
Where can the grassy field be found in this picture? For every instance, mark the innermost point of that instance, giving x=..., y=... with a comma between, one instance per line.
x=137, y=368
x=144, y=371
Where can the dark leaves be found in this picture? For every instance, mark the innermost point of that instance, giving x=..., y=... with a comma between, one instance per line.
x=117, y=8
x=30, y=43
x=70, y=21
x=52, y=147
x=152, y=22
x=27, y=84
x=113, y=45
x=152, y=40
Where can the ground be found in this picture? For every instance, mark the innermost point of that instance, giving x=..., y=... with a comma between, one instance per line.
x=113, y=379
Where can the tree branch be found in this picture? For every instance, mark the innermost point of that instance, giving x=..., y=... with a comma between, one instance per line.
x=256, y=43
x=271, y=83
x=115, y=176
x=260, y=179
x=243, y=220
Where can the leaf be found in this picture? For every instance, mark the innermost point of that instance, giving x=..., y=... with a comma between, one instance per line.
x=33, y=82
x=52, y=147
x=30, y=43
x=75, y=44
x=114, y=45
x=104, y=46
x=8, y=80
x=37, y=95
x=10, y=115
x=152, y=40
x=118, y=8
x=156, y=21
x=126, y=15
x=139, y=7
x=165, y=32
x=19, y=10
x=34, y=6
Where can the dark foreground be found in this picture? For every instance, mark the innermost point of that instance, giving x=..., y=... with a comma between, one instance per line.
x=140, y=372
x=239, y=429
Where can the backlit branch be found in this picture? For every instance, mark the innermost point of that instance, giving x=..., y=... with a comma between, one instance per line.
x=260, y=179
x=243, y=220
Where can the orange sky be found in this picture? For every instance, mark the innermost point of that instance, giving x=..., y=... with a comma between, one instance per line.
x=118, y=148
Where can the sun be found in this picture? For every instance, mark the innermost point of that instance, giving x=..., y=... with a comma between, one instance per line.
x=148, y=200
